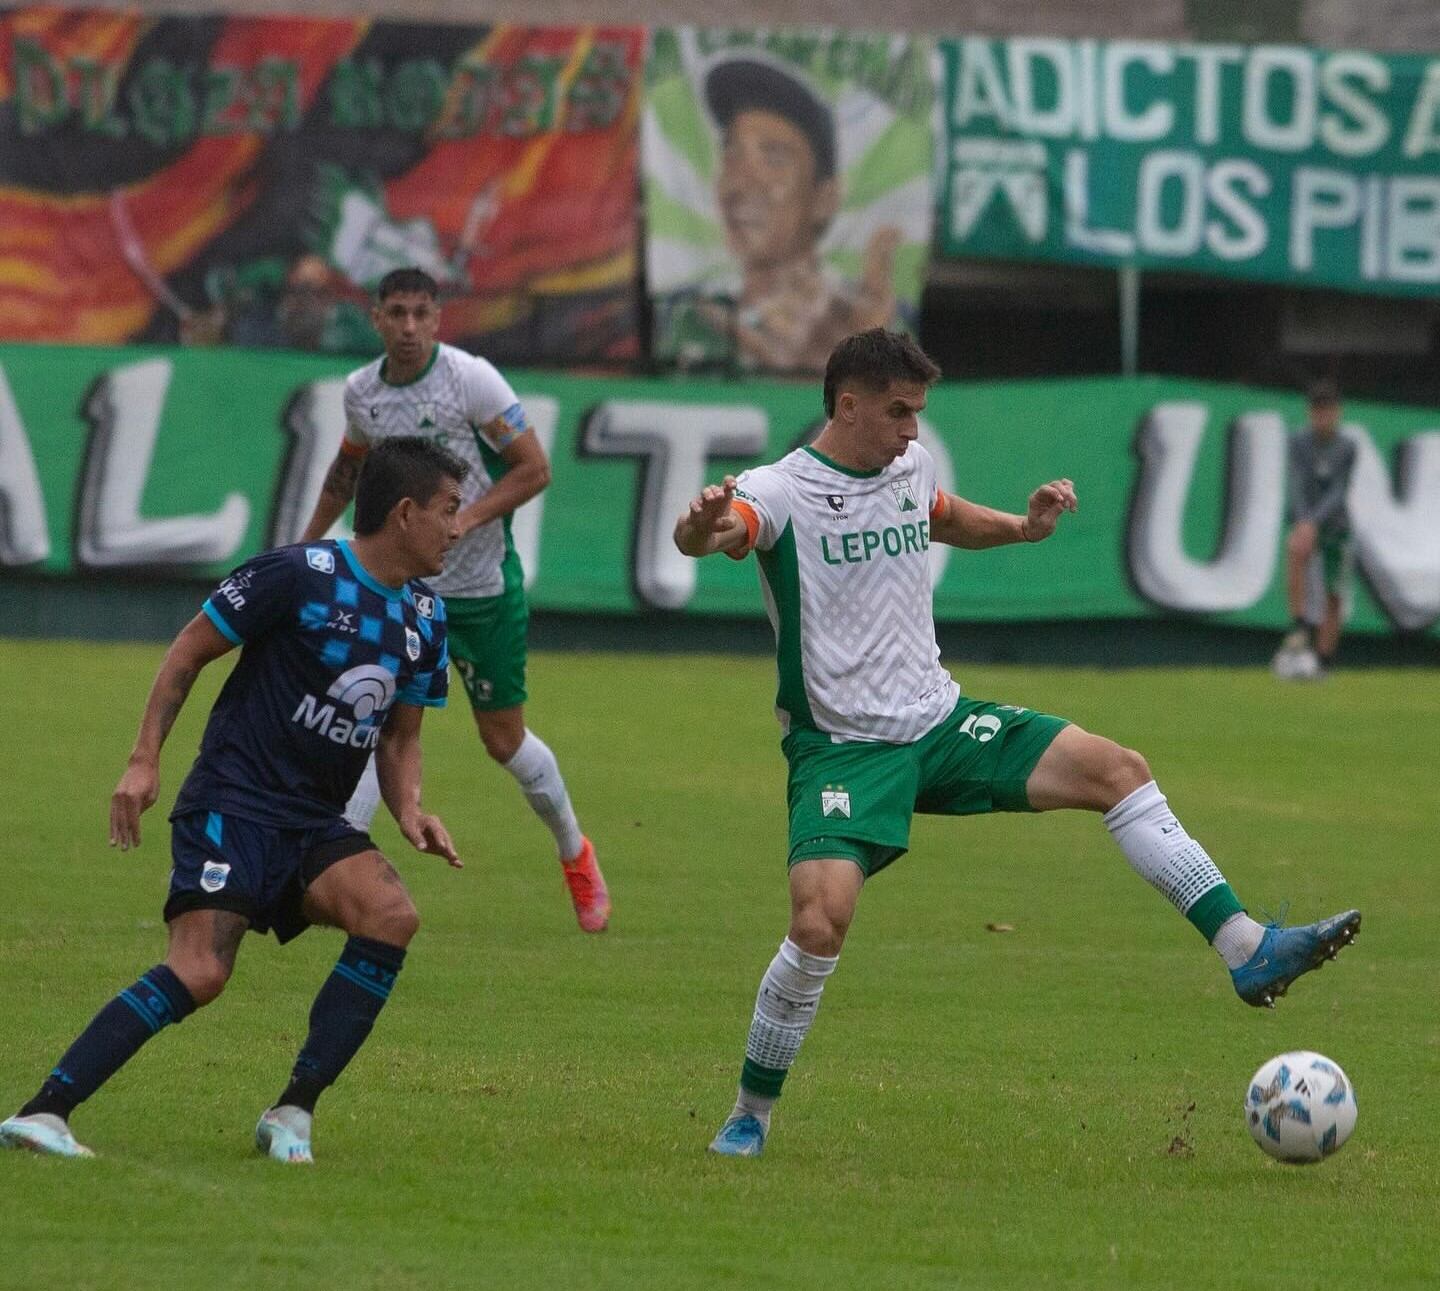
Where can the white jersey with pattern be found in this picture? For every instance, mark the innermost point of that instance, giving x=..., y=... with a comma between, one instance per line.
x=463, y=403
x=845, y=573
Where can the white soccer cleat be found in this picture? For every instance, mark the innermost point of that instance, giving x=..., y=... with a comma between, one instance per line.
x=283, y=1134
x=44, y=1133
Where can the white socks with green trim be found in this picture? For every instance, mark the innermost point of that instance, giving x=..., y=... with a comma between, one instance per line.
x=785, y=1007
x=1166, y=857
x=538, y=775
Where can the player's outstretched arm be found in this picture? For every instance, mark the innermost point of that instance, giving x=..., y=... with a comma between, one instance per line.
x=199, y=643
x=336, y=491
x=397, y=764
x=710, y=525
x=967, y=524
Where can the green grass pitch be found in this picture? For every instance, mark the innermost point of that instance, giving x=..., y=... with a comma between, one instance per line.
x=1057, y=1106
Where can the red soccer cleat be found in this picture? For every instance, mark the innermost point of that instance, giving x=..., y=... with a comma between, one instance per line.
x=587, y=889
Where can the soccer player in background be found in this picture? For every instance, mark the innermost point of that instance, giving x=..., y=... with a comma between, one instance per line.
x=422, y=387
x=875, y=729
x=1319, y=552
x=343, y=649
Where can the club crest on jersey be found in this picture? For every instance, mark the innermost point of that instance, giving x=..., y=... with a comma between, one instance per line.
x=214, y=876
x=425, y=606
x=835, y=502
x=426, y=416
x=904, y=499
x=412, y=644
x=319, y=558
x=835, y=802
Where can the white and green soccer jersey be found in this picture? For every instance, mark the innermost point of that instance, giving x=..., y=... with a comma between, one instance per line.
x=464, y=404
x=845, y=572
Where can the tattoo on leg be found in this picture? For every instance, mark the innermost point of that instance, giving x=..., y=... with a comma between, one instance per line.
x=387, y=872
x=226, y=936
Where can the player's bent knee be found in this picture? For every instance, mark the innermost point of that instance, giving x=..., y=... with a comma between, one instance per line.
x=204, y=976
x=1127, y=770
x=501, y=743
x=395, y=922
x=818, y=931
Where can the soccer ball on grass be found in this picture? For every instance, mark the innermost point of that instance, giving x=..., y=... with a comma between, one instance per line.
x=1300, y=1107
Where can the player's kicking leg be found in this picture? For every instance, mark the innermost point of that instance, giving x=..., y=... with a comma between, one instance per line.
x=527, y=757
x=364, y=896
x=1089, y=772
x=823, y=892
x=201, y=956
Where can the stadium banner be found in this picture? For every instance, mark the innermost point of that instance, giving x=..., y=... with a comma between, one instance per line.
x=788, y=191
x=127, y=463
x=249, y=180
x=1279, y=163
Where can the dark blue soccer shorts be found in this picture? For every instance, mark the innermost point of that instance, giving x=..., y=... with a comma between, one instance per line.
x=229, y=863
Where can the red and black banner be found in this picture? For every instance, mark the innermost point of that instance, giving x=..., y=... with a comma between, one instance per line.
x=249, y=180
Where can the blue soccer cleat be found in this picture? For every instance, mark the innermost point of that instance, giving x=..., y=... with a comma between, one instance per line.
x=740, y=1136
x=283, y=1134
x=43, y=1133
x=1286, y=953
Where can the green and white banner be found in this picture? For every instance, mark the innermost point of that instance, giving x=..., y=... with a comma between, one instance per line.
x=116, y=464
x=1275, y=162
x=788, y=191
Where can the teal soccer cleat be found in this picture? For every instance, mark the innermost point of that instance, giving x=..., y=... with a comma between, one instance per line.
x=42, y=1133
x=1286, y=953
x=740, y=1136
x=283, y=1134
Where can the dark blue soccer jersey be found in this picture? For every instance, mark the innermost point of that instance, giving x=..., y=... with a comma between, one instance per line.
x=326, y=651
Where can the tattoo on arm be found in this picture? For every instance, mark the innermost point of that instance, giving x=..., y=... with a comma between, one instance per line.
x=174, y=701
x=340, y=479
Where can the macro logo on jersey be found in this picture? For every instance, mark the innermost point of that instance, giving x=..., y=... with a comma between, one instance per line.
x=904, y=498
x=367, y=691
x=424, y=606
x=320, y=559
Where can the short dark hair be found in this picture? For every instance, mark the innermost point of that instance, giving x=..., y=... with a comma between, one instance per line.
x=1323, y=392
x=875, y=359
x=398, y=280
x=410, y=466
x=737, y=85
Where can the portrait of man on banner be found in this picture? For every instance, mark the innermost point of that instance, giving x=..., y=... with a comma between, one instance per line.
x=803, y=233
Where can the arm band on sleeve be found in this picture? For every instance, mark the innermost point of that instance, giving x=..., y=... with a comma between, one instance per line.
x=752, y=528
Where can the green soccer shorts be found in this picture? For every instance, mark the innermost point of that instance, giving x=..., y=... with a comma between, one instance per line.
x=487, y=645
x=856, y=800
x=1337, y=564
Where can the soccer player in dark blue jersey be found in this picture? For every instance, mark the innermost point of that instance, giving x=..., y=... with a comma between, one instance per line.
x=343, y=649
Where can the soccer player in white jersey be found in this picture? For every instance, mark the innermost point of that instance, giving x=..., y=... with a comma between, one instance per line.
x=875, y=729
x=422, y=387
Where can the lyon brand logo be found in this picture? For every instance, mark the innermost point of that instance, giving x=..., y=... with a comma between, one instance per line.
x=835, y=501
